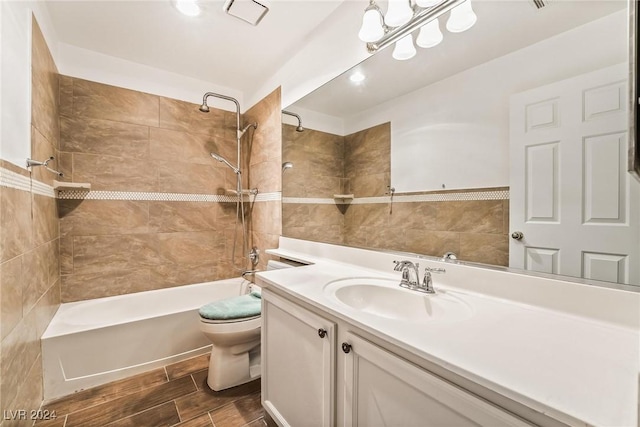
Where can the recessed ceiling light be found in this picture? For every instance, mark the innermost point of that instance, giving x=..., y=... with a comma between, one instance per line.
x=188, y=7
x=357, y=77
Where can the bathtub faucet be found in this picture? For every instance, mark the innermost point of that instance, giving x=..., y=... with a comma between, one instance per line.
x=249, y=272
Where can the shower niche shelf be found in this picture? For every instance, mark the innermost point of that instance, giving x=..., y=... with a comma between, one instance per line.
x=343, y=197
x=70, y=186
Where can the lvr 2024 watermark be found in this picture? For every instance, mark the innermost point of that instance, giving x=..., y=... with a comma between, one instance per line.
x=24, y=414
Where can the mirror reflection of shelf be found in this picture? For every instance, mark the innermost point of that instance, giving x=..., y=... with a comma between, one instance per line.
x=343, y=197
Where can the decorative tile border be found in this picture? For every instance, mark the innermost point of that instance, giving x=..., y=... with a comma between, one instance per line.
x=437, y=197
x=15, y=180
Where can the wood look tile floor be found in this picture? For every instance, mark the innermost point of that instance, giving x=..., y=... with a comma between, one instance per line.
x=176, y=395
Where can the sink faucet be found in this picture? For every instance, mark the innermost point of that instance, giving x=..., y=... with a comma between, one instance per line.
x=410, y=273
x=427, y=281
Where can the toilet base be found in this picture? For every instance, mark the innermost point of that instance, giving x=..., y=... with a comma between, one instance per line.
x=230, y=367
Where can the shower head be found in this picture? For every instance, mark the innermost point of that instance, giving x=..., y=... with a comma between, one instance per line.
x=299, y=128
x=286, y=165
x=226, y=162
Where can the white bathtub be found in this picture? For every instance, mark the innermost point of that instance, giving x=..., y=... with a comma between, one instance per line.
x=93, y=342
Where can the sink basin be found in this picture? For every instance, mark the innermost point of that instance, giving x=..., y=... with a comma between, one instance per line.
x=385, y=298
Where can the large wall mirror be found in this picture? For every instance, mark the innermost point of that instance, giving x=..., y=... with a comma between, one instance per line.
x=506, y=144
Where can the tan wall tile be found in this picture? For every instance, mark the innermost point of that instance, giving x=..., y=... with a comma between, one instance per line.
x=20, y=350
x=11, y=278
x=266, y=176
x=96, y=254
x=66, y=95
x=189, y=248
x=36, y=266
x=266, y=141
x=434, y=243
x=414, y=215
x=66, y=255
x=174, y=145
x=44, y=88
x=95, y=136
x=183, y=177
x=45, y=219
x=185, y=117
x=17, y=228
x=114, y=173
x=169, y=275
x=100, y=101
x=84, y=286
x=170, y=216
x=485, y=248
x=481, y=216
x=294, y=215
x=374, y=185
x=41, y=150
x=98, y=217
x=47, y=307
x=29, y=396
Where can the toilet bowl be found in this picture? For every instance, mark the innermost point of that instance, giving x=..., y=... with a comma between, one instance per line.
x=235, y=353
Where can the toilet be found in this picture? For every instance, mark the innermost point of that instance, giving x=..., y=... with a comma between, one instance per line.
x=233, y=326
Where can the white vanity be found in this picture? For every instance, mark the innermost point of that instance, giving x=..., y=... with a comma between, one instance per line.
x=344, y=345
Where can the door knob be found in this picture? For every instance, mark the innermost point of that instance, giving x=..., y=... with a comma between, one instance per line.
x=517, y=235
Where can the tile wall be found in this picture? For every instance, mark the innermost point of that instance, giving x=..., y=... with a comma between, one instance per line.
x=29, y=255
x=265, y=171
x=476, y=230
x=120, y=140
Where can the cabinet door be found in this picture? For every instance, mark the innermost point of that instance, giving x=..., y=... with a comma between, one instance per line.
x=298, y=364
x=381, y=389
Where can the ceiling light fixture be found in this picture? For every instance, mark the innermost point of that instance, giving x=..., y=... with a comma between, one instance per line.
x=402, y=19
x=188, y=7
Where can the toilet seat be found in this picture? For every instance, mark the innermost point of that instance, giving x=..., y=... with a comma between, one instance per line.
x=222, y=321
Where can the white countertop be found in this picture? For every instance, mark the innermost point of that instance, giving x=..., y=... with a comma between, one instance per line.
x=576, y=369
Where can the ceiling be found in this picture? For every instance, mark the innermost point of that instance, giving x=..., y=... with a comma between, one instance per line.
x=502, y=27
x=214, y=47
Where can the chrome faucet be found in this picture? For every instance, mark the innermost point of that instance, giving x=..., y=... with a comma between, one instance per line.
x=410, y=273
x=427, y=281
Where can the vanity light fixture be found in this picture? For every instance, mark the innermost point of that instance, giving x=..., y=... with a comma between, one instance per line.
x=404, y=17
x=188, y=7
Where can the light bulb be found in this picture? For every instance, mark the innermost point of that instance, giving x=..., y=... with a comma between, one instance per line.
x=461, y=18
x=430, y=35
x=399, y=13
x=427, y=3
x=371, y=29
x=404, y=48
x=188, y=7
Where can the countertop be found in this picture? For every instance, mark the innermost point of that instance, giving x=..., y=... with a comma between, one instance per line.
x=578, y=370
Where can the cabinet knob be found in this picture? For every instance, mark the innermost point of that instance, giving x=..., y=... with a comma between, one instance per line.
x=322, y=333
x=346, y=347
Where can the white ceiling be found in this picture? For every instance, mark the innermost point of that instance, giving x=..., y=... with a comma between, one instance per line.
x=503, y=26
x=213, y=47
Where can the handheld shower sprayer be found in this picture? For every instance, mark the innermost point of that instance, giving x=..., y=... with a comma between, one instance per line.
x=226, y=162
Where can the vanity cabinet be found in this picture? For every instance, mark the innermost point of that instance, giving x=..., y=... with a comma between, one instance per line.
x=310, y=362
x=298, y=359
x=382, y=389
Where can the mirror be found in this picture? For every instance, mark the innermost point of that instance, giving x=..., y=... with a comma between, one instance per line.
x=505, y=144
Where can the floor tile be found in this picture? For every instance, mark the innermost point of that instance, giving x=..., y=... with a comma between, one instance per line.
x=239, y=413
x=201, y=421
x=189, y=366
x=104, y=393
x=208, y=400
x=260, y=422
x=164, y=415
x=200, y=379
x=125, y=406
x=57, y=422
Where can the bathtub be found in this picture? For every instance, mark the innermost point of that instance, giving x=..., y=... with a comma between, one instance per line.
x=89, y=343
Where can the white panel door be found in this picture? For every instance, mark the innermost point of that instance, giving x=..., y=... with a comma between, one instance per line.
x=570, y=196
x=298, y=358
x=384, y=390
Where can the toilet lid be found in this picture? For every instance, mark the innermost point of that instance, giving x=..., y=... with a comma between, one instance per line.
x=244, y=319
x=237, y=308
